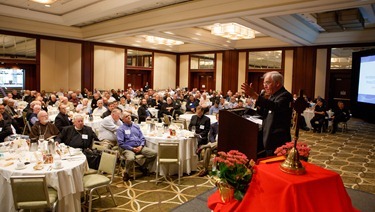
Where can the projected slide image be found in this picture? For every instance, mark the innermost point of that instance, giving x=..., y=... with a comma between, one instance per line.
x=366, y=85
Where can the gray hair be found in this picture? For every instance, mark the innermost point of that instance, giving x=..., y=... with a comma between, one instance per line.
x=275, y=76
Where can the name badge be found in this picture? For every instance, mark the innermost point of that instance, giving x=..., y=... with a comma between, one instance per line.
x=201, y=127
x=1, y=129
x=270, y=111
x=127, y=132
x=84, y=136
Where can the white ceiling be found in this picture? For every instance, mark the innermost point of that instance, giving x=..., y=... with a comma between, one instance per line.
x=279, y=23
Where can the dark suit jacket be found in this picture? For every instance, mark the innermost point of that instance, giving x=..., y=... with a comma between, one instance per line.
x=202, y=127
x=142, y=113
x=214, y=130
x=71, y=137
x=62, y=121
x=5, y=131
x=276, y=123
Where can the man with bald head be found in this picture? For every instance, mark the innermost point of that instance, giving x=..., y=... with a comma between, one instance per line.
x=131, y=142
x=77, y=135
x=275, y=102
x=43, y=129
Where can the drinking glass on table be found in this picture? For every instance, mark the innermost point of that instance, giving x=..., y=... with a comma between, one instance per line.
x=193, y=129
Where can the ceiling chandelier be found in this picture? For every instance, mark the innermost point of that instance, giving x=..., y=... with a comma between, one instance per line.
x=232, y=31
x=44, y=1
x=163, y=41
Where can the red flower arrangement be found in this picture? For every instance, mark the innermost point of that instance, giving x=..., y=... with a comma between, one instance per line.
x=235, y=170
x=302, y=148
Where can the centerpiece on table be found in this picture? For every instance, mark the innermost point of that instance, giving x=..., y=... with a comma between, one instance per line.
x=302, y=148
x=232, y=172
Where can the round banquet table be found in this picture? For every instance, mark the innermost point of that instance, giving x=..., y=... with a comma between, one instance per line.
x=68, y=180
x=187, y=148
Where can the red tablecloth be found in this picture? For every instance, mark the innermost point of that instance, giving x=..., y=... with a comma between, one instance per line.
x=273, y=190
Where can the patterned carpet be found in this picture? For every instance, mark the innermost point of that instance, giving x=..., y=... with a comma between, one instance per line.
x=351, y=154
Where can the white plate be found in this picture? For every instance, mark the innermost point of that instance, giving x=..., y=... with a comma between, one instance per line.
x=24, y=167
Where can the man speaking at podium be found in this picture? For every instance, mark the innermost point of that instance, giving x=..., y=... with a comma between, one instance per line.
x=275, y=103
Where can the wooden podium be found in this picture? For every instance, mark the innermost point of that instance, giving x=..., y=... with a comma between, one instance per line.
x=238, y=133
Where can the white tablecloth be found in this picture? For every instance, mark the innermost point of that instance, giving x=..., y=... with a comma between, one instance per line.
x=66, y=180
x=309, y=114
x=187, y=152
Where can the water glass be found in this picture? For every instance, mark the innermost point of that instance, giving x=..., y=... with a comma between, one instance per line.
x=33, y=147
x=193, y=129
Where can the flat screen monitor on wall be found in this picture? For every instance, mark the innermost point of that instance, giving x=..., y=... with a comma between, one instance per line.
x=363, y=85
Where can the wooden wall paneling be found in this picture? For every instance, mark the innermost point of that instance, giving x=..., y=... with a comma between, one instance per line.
x=304, y=63
x=230, y=71
x=87, y=75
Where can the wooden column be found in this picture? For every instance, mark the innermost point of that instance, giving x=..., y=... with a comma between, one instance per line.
x=304, y=64
x=87, y=72
x=230, y=71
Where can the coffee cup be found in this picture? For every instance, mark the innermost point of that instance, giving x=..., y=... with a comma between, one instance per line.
x=57, y=164
x=20, y=165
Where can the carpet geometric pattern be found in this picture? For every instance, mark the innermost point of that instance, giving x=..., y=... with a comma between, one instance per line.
x=351, y=154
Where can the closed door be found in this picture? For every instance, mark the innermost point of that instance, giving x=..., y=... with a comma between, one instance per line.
x=202, y=80
x=136, y=79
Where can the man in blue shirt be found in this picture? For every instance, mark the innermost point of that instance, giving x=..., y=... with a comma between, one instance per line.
x=131, y=142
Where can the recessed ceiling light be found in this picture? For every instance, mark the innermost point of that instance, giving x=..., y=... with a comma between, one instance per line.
x=47, y=5
x=138, y=41
x=171, y=33
x=195, y=38
x=199, y=34
x=109, y=41
x=46, y=2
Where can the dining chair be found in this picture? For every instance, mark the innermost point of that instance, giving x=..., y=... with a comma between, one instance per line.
x=27, y=127
x=32, y=192
x=137, y=161
x=92, y=182
x=181, y=121
x=168, y=153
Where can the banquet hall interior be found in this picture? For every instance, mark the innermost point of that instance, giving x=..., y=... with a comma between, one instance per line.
x=209, y=45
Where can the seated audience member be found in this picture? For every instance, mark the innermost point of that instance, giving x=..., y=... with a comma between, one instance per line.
x=214, y=109
x=143, y=112
x=176, y=106
x=34, y=116
x=5, y=129
x=191, y=104
x=341, y=114
x=202, y=126
x=95, y=99
x=43, y=129
x=131, y=142
x=223, y=104
x=30, y=108
x=100, y=109
x=319, y=118
x=122, y=104
x=205, y=103
x=214, y=98
x=69, y=105
x=110, y=107
x=53, y=100
x=109, y=126
x=250, y=103
x=239, y=104
x=60, y=92
x=83, y=107
x=208, y=148
x=62, y=119
x=156, y=102
x=167, y=108
x=16, y=95
x=232, y=103
x=77, y=135
x=74, y=99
